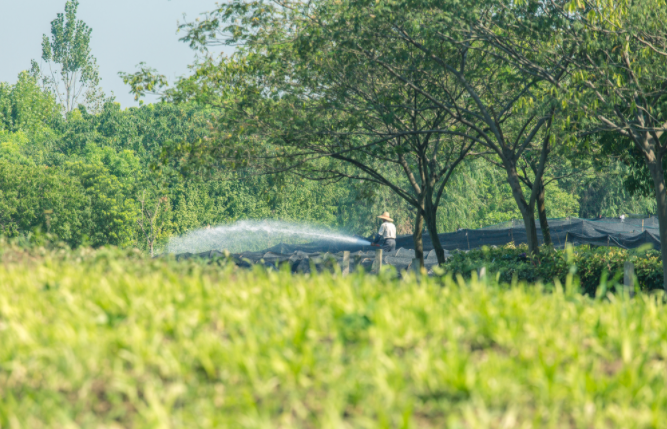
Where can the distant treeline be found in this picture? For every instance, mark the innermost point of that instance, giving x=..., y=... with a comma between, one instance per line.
x=100, y=179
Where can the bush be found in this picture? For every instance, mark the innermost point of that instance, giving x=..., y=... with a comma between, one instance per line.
x=110, y=338
x=590, y=264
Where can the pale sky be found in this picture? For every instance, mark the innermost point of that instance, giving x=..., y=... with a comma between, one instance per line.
x=125, y=33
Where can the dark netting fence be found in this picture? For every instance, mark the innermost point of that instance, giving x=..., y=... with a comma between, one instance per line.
x=630, y=232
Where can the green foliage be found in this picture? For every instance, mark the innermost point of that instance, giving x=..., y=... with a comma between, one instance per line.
x=105, y=339
x=76, y=77
x=77, y=203
x=142, y=130
x=111, y=212
x=112, y=158
x=478, y=195
x=591, y=265
x=118, y=153
x=13, y=147
x=104, y=161
x=31, y=195
x=145, y=80
x=369, y=85
x=607, y=193
x=25, y=106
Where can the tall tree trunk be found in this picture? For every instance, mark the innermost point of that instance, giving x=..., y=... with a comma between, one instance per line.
x=417, y=237
x=527, y=212
x=432, y=225
x=542, y=214
x=531, y=230
x=658, y=176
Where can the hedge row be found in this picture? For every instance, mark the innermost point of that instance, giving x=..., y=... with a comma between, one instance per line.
x=590, y=264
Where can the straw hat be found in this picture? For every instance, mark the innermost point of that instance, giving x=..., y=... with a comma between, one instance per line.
x=385, y=216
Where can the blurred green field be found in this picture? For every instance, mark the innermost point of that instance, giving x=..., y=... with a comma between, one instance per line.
x=108, y=340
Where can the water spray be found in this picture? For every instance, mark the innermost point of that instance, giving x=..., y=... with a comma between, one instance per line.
x=254, y=236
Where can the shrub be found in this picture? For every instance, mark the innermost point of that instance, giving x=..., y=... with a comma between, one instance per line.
x=591, y=264
x=109, y=338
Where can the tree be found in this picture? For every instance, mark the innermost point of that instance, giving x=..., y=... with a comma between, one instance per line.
x=618, y=87
x=345, y=119
x=469, y=61
x=25, y=106
x=506, y=107
x=565, y=163
x=73, y=73
x=479, y=196
x=31, y=196
x=150, y=220
x=111, y=212
x=612, y=190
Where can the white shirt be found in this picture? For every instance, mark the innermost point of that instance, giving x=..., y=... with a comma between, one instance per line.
x=387, y=230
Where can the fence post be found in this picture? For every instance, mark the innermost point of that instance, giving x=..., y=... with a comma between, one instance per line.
x=377, y=265
x=482, y=273
x=346, y=263
x=629, y=278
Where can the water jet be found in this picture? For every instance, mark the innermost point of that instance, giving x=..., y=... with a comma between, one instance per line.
x=247, y=235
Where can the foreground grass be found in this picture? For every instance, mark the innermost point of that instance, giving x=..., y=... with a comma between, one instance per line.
x=108, y=341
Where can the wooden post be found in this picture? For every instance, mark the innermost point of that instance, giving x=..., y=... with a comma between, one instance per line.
x=377, y=265
x=346, y=263
x=482, y=273
x=629, y=278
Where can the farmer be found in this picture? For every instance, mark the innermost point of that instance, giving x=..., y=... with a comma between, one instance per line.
x=387, y=234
